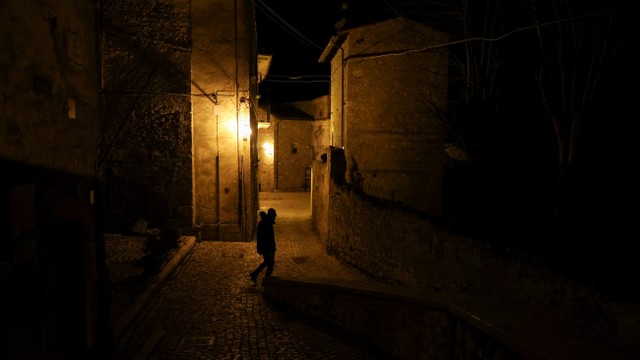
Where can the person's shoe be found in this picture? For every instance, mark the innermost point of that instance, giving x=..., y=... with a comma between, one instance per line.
x=253, y=277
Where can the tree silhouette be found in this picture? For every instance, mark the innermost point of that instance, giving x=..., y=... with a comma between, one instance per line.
x=577, y=40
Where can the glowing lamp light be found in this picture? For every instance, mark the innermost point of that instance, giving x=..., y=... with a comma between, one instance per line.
x=245, y=132
x=268, y=148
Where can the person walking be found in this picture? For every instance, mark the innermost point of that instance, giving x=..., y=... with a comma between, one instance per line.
x=265, y=244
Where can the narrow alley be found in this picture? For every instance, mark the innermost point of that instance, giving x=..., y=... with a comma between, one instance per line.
x=208, y=308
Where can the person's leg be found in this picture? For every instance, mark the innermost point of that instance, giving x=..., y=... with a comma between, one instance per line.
x=254, y=274
x=270, y=260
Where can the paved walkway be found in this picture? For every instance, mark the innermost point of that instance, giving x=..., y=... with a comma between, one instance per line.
x=208, y=308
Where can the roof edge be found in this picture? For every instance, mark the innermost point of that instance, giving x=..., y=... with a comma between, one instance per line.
x=334, y=44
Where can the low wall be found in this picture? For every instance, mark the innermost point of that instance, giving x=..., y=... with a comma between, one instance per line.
x=398, y=246
x=395, y=245
x=320, y=198
x=410, y=325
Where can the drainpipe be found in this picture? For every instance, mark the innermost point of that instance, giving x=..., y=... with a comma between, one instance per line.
x=239, y=161
x=342, y=81
x=275, y=144
x=276, y=149
x=334, y=44
x=217, y=178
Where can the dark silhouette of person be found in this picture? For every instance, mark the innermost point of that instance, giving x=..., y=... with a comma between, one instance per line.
x=266, y=243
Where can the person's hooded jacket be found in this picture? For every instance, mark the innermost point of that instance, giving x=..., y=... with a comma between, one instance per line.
x=266, y=242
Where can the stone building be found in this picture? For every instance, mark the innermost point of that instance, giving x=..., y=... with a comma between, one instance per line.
x=290, y=137
x=50, y=273
x=382, y=75
x=113, y=112
x=179, y=81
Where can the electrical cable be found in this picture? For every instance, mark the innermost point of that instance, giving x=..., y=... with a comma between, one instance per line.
x=484, y=39
x=297, y=81
x=278, y=20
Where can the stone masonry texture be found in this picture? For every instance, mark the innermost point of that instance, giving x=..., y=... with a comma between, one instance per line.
x=147, y=137
x=210, y=309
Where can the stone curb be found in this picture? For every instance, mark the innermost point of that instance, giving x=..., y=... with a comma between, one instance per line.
x=151, y=287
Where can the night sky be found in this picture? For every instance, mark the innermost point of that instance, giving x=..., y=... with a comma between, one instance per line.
x=295, y=33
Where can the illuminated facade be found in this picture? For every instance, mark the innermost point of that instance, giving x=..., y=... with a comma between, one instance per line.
x=223, y=70
x=290, y=137
x=382, y=75
x=180, y=86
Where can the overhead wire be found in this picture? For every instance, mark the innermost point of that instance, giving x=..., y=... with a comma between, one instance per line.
x=365, y=56
x=299, y=81
x=278, y=20
x=393, y=8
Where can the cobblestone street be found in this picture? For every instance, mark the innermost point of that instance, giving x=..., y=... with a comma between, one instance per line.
x=209, y=308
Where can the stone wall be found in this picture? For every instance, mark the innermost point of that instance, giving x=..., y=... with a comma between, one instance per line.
x=50, y=270
x=294, y=143
x=320, y=197
x=294, y=153
x=410, y=324
x=321, y=137
x=400, y=246
x=222, y=65
x=49, y=85
x=146, y=149
x=266, y=148
x=387, y=126
x=401, y=326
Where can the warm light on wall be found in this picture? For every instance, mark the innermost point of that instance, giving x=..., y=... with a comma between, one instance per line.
x=268, y=148
x=230, y=125
x=245, y=132
x=244, y=103
x=237, y=125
